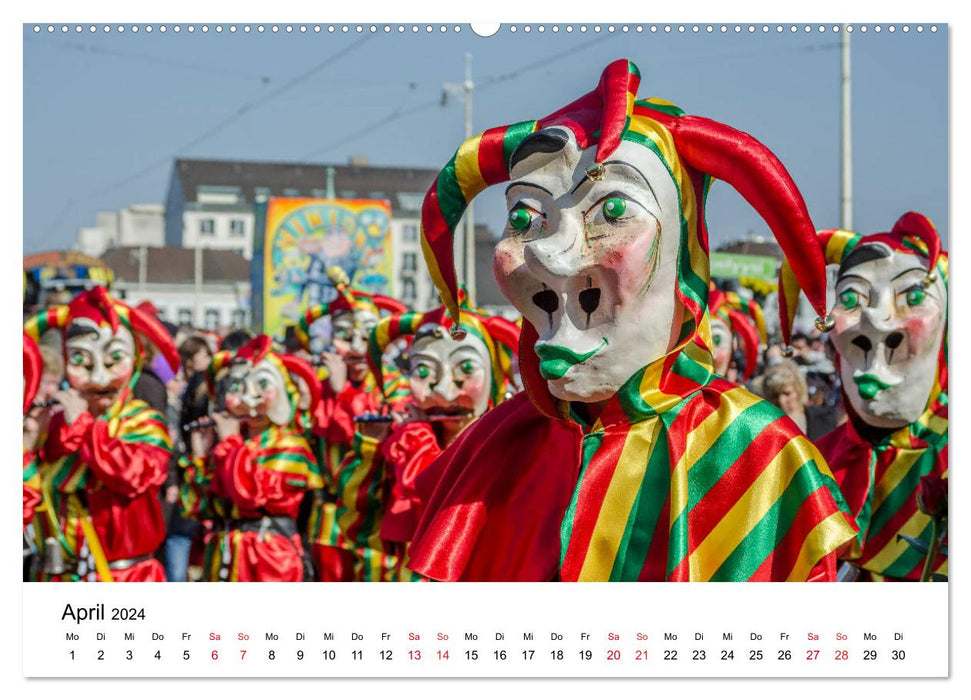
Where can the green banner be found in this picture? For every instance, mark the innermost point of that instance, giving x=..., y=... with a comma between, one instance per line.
x=736, y=265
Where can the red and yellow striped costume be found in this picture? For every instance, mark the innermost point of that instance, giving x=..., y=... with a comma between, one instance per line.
x=109, y=470
x=244, y=480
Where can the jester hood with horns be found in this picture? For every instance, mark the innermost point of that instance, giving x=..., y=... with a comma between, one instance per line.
x=627, y=458
x=100, y=468
x=891, y=340
x=735, y=320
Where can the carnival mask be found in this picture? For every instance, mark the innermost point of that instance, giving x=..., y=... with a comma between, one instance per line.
x=258, y=391
x=449, y=377
x=590, y=261
x=350, y=340
x=889, y=326
x=721, y=349
x=99, y=362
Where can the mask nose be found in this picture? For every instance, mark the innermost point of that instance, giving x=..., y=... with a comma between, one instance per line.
x=99, y=375
x=446, y=389
x=557, y=255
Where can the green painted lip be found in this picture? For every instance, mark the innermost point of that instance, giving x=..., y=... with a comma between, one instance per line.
x=556, y=360
x=869, y=385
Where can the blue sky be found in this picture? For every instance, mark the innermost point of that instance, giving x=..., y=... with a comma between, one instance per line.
x=104, y=114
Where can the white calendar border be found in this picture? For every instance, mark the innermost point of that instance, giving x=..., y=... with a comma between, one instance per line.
x=381, y=10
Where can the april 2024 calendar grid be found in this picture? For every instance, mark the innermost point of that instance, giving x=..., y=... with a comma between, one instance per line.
x=494, y=630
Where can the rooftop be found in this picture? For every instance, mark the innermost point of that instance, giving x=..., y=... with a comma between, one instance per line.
x=175, y=265
x=403, y=187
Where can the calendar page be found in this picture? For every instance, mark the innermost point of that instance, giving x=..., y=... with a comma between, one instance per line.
x=550, y=350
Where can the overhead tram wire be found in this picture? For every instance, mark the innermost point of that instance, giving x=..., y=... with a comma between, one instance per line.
x=492, y=81
x=487, y=83
x=208, y=133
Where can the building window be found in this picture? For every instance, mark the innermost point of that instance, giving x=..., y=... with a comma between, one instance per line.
x=319, y=194
x=408, y=291
x=212, y=319
x=185, y=316
x=207, y=227
x=261, y=194
x=348, y=194
x=237, y=227
x=409, y=262
x=239, y=318
x=409, y=232
x=291, y=192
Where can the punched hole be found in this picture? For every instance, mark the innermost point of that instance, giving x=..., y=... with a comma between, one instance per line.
x=862, y=342
x=894, y=340
x=590, y=299
x=547, y=300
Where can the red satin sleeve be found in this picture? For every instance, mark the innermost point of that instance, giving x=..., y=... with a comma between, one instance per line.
x=408, y=452
x=126, y=466
x=65, y=438
x=334, y=419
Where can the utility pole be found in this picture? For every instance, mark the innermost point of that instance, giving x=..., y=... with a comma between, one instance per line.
x=197, y=316
x=465, y=90
x=846, y=149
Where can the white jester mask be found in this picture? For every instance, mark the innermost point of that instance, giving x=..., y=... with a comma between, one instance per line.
x=255, y=392
x=350, y=339
x=605, y=249
x=591, y=263
x=890, y=321
x=449, y=377
x=99, y=363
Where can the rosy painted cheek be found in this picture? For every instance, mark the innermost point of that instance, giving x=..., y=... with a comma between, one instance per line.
x=474, y=388
x=233, y=401
x=121, y=372
x=77, y=377
x=920, y=332
x=269, y=397
x=342, y=348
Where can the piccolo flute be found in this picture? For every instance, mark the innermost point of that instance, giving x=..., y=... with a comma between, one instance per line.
x=45, y=404
x=434, y=418
x=200, y=423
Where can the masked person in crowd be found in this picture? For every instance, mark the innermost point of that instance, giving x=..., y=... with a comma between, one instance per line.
x=891, y=343
x=348, y=389
x=731, y=326
x=451, y=382
x=250, y=471
x=627, y=458
x=104, y=453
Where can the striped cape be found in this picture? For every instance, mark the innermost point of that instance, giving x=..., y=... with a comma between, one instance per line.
x=683, y=477
x=880, y=480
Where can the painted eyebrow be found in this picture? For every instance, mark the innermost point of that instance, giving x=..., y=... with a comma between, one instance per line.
x=521, y=183
x=632, y=167
x=913, y=269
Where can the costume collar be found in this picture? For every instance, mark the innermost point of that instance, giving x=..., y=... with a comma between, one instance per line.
x=654, y=389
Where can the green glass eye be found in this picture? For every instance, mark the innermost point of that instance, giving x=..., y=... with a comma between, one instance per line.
x=77, y=358
x=915, y=296
x=718, y=340
x=850, y=299
x=614, y=208
x=117, y=355
x=467, y=366
x=520, y=219
x=264, y=383
x=423, y=372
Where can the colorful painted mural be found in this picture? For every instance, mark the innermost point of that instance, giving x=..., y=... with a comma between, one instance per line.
x=298, y=239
